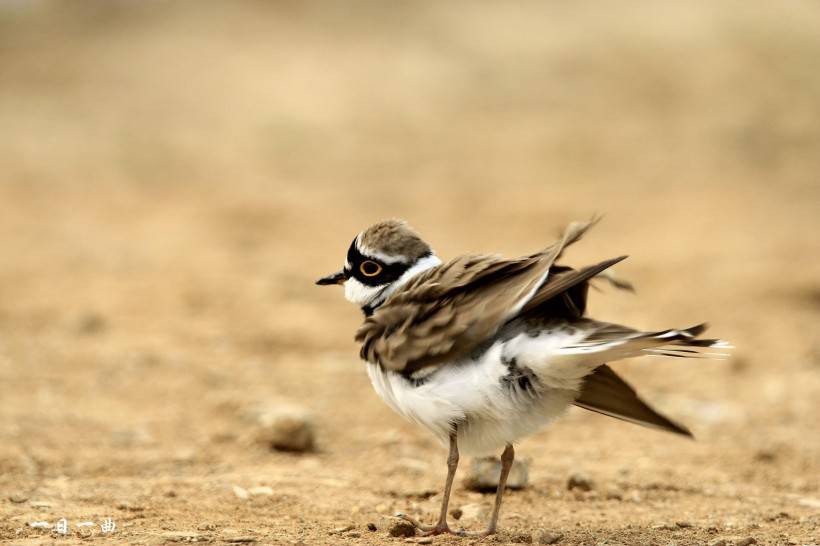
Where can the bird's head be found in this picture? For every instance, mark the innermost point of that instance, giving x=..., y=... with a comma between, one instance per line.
x=379, y=260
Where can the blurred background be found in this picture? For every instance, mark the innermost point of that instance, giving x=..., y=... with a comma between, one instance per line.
x=175, y=175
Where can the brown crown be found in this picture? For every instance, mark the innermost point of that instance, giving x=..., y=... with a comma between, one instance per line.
x=395, y=238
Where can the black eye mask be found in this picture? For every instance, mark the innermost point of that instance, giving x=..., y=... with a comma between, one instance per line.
x=388, y=274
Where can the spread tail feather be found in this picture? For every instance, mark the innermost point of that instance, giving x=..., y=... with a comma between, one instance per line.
x=613, y=342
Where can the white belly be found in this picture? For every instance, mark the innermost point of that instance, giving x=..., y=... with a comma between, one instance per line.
x=488, y=411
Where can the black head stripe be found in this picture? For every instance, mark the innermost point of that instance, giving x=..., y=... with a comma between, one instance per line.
x=388, y=274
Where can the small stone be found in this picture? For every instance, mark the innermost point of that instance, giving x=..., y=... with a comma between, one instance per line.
x=613, y=493
x=286, y=429
x=545, y=537
x=181, y=536
x=474, y=511
x=240, y=492
x=414, y=465
x=683, y=524
x=372, y=527
x=456, y=513
x=17, y=498
x=635, y=496
x=125, y=505
x=779, y=515
x=664, y=527
x=746, y=541
x=342, y=529
x=521, y=538
x=91, y=323
x=718, y=542
x=765, y=455
x=484, y=474
x=354, y=535
x=260, y=490
x=401, y=528
x=425, y=540
x=240, y=540
x=580, y=481
x=811, y=503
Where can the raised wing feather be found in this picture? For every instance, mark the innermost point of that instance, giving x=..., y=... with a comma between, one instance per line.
x=447, y=311
x=604, y=392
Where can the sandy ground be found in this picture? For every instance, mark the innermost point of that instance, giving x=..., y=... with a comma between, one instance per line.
x=174, y=176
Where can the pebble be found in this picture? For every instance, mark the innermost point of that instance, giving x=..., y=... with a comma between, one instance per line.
x=125, y=505
x=521, y=538
x=240, y=492
x=484, y=474
x=17, y=498
x=811, y=503
x=260, y=490
x=286, y=429
x=474, y=511
x=718, y=542
x=91, y=323
x=238, y=540
x=414, y=465
x=372, y=527
x=456, y=513
x=635, y=496
x=683, y=524
x=767, y=455
x=342, y=529
x=746, y=542
x=425, y=540
x=580, y=481
x=181, y=536
x=613, y=493
x=545, y=537
x=401, y=528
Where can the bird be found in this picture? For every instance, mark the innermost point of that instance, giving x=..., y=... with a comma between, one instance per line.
x=483, y=350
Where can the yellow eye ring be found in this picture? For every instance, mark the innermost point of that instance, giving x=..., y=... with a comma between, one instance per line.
x=369, y=268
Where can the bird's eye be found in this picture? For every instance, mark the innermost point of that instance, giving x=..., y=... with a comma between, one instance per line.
x=369, y=268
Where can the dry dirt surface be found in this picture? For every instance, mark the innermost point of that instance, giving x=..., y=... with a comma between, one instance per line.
x=175, y=175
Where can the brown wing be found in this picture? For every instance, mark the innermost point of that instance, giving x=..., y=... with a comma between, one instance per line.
x=571, y=285
x=445, y=312
x=604, y=392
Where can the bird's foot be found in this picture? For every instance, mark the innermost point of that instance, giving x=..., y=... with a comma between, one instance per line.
x=485, y=533
x=428, y=530
x=441, y=528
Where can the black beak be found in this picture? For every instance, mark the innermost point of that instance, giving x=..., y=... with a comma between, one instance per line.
x=334, y=278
